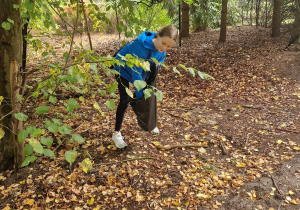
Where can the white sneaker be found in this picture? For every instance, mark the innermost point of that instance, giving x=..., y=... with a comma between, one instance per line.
x=119, y=140
x=155, y=131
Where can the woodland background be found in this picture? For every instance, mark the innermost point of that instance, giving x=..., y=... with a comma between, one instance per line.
x=58, y=98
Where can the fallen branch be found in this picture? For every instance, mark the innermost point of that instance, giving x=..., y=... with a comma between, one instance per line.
x=277, y=188
x=127, y=160
x=224, y=150
x=173, y=115
x=180, y=146
x=290, y=131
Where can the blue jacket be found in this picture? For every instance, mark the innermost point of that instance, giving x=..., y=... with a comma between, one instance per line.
x=141, y=47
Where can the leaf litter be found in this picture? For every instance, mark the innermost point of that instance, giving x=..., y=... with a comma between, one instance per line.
x=216, y=135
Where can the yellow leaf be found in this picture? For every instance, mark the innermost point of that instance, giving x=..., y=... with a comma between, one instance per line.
x=187, y=137
x=200, y=195
x=273, y=190
x=91, y=201
x=7, y=207
x=296, y=148
x=1, y=99
x=2, y=133
x=86, y=165
x=156, y=143
x=279, y=142
x=202, y=150
x=96, y=106
x=241, y=165
x=176, y=203
x=294, y=202
x=290, y=192
x=29, y=202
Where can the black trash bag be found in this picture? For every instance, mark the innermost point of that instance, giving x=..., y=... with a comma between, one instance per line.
x=146, y=109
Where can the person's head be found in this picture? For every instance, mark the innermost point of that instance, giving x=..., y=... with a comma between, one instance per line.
x=165, y=38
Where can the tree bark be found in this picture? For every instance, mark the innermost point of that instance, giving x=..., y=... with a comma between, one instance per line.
x=222, y=37
x=296, y=25
x=10, y=63
x=185, y=20
x=276, y=18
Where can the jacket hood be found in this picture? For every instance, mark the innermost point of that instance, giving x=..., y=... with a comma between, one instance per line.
x=145, y=39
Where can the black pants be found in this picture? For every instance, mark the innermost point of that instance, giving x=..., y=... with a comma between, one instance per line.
x=124, y=101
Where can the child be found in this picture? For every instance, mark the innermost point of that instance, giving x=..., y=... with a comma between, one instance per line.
x=146, y=46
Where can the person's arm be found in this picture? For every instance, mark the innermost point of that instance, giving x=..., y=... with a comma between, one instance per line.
x=136, y=49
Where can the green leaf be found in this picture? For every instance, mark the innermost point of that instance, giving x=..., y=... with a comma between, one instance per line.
x=27, y=150
x=192, y=71
x=87, y=165
x=23, y=135
x=159, y=95
x=64, y=129
x=93, y=66
x=21, y=116
x=46, y=141
x=77, y=138
x=49, y=153
x=110, y=104
x=71, y=156
x=10, y=20
x=72, y=104
x=139, y=84
x=37, y=132
x=113, y=87
x=204, y=75
x=6, y=26
x=57, y=121
x=28, y=160
x=29, y=5
x=16, y=6
x=52, y=99
x=2, y=133
x=37, y=147
x=129, y=93
x=42, y=109
x=52, y=127
x=66, y=55
x=147, y=93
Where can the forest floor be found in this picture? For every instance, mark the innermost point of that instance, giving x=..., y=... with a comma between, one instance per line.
x=228, y=143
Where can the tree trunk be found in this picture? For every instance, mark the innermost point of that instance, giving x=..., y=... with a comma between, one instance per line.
x=185, y=20
x=296, y=25
x=222, y=37
x=257, y=10
x=10, y=63
x=276, y=19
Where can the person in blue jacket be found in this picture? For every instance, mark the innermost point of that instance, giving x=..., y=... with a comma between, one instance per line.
x=146, y=46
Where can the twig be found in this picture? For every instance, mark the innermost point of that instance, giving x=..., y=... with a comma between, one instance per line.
x=122, y=161
x=138, y=178
x=175, y=116
x=277, y=188
x=179, y=146
x=251, y=107
x=86, y=24
x=224, y=150
x=247, y=139
x=290, y=131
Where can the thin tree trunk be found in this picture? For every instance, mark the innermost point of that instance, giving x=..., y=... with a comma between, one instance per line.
x=276, y=19
x=257, y=10
x=185, y=20
x=222, y=37
x=10, y=64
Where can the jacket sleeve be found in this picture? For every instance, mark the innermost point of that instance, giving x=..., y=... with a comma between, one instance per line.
x=136, y=49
